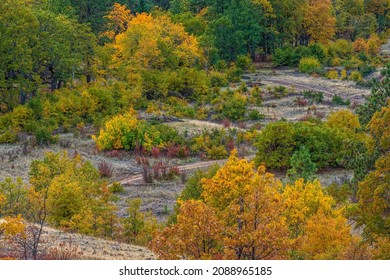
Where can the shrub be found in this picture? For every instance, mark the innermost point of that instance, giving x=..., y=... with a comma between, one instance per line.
x=218, y=79
x=275, y=145
x=243, y=62
x=301, y=102
x=105, y=169
x=255, y=115
x=216, y=152
x=117, y=188
x=332, y=74
x=355, y=76
x=235, y=107
x=8, y=137
x=338, y=101
x=43, y=135
x=317, y=97
x=234, y=73
x=341, y=48
x=309, y=65
x=344, y=75
x=360, y=45
x=127, y=132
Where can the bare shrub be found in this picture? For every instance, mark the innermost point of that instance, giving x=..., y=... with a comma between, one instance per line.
x=226, y=123
x=105, y=169
x=155, y=152
x=64, y=251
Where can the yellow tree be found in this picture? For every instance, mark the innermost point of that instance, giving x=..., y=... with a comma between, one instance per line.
x=251, y=209
x=241, y=218
x=380, y=129
x=118, y=20
x=326, y=237
x=319, y=24
x=155, y=42
x=309, y=213
x=13, y=238
x=196, y=235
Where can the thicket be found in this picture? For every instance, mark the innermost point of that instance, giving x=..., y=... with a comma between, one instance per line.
x=328, y=143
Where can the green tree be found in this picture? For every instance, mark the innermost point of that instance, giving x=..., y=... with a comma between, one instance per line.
x=18, y=29
x=301, y=165
x=276, y=145
x=380, y=93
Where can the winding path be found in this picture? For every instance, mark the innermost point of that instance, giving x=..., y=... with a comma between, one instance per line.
x=186, y=167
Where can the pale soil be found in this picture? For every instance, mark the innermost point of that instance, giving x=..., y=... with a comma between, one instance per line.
x=95, y=248
x=89, y=248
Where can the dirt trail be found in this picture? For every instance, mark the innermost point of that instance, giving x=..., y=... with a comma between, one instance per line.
x=330, y=88
x=182, y=168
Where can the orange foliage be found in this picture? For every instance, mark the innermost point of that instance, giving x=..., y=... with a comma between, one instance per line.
x=319, y=23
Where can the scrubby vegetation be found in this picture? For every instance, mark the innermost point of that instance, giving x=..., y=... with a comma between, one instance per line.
x=137, y=77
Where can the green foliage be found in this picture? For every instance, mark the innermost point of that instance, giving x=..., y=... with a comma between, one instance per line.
x=340, y=193
x=317, y=97
x=72, y=194
x=275, y=145
x=355, y=76
x=255, y=115
x=218, y=79
x=235, y=28
x=137, y=226
x=327, y=146
x=235, y=107
x=289, y=56
x=380, y=93
x=13, y=197
x=301, y=166
x=127, y=132
x=116, y=188
x=339, y=101
x=309, y=65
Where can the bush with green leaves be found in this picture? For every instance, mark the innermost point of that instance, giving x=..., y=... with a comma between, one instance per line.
x=234, y=106
x=316, y=97
x=301, y=165
x=380, y=93
x=127, y=132
x=339, y=101
x=217, y=79
x=355, y=76
x=327, y=146
x=275, y=145
x=289, y=56
x=309, y=65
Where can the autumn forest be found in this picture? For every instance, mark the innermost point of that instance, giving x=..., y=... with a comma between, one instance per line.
x=195, y=130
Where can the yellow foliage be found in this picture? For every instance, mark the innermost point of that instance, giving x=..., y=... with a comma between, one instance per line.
x=112, y=135
x=360, y=45
x=344, y=75
x=374, y=44
x=332, y=74
x=325, y=237
x=319, y=23
x=155, y=42
x=302, y=201
x=13, y=226
x=197, y=234
x=380, y=128
x=118, y=20
x=344, y=120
